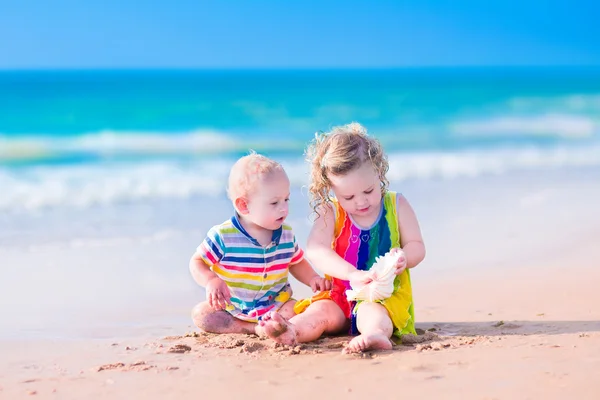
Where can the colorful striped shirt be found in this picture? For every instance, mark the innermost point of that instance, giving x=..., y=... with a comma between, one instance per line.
x=257, y=276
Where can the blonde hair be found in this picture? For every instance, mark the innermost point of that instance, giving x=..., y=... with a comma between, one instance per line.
x=247, y=171
x=338, y=152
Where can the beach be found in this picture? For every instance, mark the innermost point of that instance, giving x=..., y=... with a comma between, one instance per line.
x=111, y=179
x=119, y=128
x=505, y=304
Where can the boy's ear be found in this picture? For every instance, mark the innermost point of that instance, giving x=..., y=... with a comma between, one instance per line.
x=241, y=204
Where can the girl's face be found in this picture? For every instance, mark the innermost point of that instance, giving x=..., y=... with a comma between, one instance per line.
x=358, y=191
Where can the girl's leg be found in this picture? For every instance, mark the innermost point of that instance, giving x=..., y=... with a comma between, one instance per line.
x=323, y=316
x=375, y=327
x=287, y=310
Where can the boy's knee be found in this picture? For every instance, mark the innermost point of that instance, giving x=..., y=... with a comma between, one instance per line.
x=201, y=316
x=209, y=320
x=200, y=310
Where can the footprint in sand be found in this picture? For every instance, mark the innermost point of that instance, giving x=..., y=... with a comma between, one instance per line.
x=423, y=368
x=106, y=367
x=136, y=366
x=31, y=380
x=458, y=364
x=179, y=348
x=252, y=347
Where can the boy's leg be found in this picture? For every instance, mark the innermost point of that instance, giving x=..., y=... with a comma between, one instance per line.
x=209, y=320
x=265, y=328
x=375, y=327
x=323, y=316
x=278, y=327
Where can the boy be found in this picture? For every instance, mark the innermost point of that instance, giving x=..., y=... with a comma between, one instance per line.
x=243, y=263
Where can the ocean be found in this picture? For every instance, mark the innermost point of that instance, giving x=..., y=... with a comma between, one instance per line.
x=97, y=138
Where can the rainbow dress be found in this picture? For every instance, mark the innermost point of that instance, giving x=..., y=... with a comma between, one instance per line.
x=360, y=246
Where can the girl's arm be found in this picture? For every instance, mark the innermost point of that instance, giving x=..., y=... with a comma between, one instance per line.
x=410, y=233
x=303, y=272
x=318, y=247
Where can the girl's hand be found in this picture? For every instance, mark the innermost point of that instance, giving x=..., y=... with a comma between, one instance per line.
x=319, y=284
x=217, y=294
x=359, y=278
x=401, y=263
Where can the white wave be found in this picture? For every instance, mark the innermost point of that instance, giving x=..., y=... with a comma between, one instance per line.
x=575, y=102
x=35, y=188
x=581, y=102
x=565, y=126
x=140, y=143
x=153, y=142
x=473, y=163
x=85, y=186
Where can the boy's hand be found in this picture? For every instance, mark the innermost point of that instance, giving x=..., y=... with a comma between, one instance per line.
x=319, y=284
x=217, y=293
x=360, y=278
x=401, y=263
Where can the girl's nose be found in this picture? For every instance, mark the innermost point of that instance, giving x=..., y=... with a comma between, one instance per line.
x=362, y=202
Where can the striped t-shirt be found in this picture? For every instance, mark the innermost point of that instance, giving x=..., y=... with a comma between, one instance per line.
x=257, y=276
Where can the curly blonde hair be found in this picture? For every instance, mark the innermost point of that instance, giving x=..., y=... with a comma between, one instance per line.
x=337, y=152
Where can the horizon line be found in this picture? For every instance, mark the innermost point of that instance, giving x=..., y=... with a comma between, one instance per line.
x=275, y=68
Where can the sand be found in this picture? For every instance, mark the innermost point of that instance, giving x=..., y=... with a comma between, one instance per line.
x=527, y=335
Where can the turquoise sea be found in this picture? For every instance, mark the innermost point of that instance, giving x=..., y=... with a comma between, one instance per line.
x=82, y=138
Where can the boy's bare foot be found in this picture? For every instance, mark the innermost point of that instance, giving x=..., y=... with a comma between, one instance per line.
x=277, y=328
x=375, y=341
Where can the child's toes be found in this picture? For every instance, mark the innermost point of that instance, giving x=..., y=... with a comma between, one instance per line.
x=266, y=317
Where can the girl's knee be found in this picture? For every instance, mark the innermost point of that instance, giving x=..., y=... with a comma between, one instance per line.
x=331, y=313
x=369, y=307
x=373, y=317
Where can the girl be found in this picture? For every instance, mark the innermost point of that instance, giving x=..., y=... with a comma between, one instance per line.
x=362, y=221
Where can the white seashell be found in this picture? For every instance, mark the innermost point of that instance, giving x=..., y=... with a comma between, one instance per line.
x=382, y=285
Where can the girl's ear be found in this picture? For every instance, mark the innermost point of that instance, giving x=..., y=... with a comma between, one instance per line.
x=241, y=205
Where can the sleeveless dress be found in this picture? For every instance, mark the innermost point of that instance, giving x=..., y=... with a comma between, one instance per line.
x=360, y=246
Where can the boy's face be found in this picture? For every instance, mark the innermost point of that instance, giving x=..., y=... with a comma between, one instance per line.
x=268, y=202
x=358, y=191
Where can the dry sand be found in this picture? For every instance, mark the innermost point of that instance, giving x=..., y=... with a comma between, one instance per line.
x=529, y=333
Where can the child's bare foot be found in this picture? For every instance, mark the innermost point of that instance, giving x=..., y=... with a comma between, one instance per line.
x=278, y=329
x=375, y=341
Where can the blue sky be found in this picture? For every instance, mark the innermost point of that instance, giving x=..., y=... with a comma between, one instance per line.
x=296, y=34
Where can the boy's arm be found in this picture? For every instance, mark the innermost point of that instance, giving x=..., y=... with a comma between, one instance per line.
x=209, y=253
x=200, y=270
x=412, y=240
x=217, y=292
x=318, y=247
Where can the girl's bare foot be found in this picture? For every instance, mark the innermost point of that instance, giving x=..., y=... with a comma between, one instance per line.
x=277, y=328
x=375, y=341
